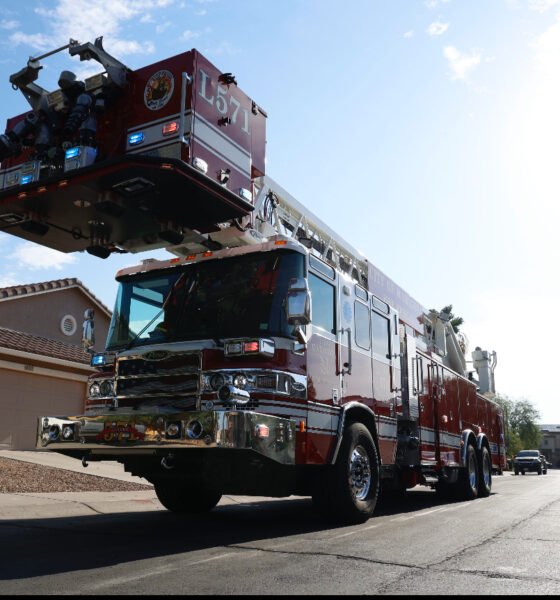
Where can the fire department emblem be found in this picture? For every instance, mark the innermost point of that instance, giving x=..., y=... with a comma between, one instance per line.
x=159, y=89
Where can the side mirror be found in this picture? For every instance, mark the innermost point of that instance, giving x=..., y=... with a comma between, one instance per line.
x=88, y=331
x=298, y=308
x=298, y=302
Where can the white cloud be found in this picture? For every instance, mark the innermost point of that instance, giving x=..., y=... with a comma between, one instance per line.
x=435, y=3
x=163, y=26
x=8, y=280
x=191, y=35
x=437, y=28
x=547, y=51
x=542, y=5
x=39, y=41
x=408, y=34
x=11, y=24
x=85, y=20
x=34, y=257
x=461, y=63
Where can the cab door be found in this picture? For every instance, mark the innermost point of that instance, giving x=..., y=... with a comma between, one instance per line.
x=354, y=339
x=324, y=378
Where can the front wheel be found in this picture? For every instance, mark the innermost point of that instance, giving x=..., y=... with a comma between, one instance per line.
x=180, y=498
x=348, y=490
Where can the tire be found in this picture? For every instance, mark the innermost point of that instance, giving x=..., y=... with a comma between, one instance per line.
x=445, y=492
x=348, y=491
x=484, y=473
x=179, y=498
x=467, y=486
x=522, y=472
x=516, y=473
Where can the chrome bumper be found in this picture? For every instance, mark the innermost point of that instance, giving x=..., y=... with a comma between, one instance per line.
x=126, y=434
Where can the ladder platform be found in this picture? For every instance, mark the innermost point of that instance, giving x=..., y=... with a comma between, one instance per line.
x=129, y=202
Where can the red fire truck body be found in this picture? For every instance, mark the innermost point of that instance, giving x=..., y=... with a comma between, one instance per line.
x=268, y=356
x=175, y=114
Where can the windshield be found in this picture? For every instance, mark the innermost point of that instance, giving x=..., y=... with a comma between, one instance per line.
x=242, y=296
x=531, y=453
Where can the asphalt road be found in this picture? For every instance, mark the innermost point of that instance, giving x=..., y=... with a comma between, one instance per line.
x=508, y=543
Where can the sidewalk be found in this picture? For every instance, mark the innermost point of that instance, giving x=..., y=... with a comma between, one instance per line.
x=112, y=470
x=29, y=506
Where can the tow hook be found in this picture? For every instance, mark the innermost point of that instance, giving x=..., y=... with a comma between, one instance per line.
x=167, y=462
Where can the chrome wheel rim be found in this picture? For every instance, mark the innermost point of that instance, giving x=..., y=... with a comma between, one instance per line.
x=360, y=473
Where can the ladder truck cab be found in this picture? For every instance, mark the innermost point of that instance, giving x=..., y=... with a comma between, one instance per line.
x=267, y=356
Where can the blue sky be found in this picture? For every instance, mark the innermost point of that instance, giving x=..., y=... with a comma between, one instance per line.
x=425, y=132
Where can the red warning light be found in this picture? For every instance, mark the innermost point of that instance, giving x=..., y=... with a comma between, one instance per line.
x=251, y=346
x=170, y=128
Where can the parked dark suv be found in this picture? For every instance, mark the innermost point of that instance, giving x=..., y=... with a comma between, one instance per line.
x=529, y=460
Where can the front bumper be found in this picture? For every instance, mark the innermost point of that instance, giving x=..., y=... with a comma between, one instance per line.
x=134, y=434
x=517, y=466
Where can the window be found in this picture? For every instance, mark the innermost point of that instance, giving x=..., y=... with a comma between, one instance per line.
x=380, y=330
x=241, y=296
x=322, y=303
x=321, y=267
x=381, y=306
x=360, y=292
x=361, y=323
x=419, y=375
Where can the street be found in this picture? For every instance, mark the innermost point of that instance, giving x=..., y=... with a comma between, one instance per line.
x=508, y=543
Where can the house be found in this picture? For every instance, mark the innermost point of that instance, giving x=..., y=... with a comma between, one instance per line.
x=43, y=368
x=550, y=444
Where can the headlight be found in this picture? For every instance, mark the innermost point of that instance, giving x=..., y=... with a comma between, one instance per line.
x=240, y=381
x=94, y=390
x=68, y=432
x=216, y=381
x=106, y=387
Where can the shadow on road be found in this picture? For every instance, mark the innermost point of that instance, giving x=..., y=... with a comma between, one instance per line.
x=36, y=547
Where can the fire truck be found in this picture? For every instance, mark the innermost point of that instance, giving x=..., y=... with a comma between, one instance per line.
x=266, y=356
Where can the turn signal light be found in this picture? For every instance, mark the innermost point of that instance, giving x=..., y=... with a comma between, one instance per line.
x=170, y=128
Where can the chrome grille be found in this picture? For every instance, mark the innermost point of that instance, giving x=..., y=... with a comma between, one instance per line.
x=176, y=374
x=266, y=381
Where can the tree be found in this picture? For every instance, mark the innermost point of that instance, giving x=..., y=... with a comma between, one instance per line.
x=520, y=423
x=447, y=313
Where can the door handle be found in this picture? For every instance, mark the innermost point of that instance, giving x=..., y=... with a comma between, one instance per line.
x=347, y=366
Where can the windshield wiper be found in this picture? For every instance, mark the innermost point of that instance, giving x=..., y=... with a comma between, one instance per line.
x=158, y=315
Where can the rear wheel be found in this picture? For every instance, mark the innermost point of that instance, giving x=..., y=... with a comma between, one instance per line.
x=469, y=476
x=485, y=473
x=180, y=498
x=348, y=491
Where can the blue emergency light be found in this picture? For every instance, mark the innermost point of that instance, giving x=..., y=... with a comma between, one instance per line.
x=135, y=138
x=26, y=179
x=72, y=153
x=98, y=360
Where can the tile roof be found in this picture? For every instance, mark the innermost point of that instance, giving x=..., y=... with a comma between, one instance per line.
x=35, y=344
x=28, y=289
